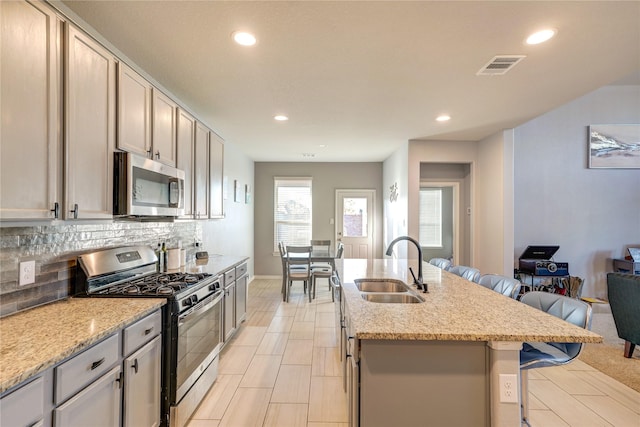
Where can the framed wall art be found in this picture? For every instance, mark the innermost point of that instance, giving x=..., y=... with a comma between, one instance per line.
x=614, y=146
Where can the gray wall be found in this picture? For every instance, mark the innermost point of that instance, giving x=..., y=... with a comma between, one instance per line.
x=327, y=178
x=593, y=214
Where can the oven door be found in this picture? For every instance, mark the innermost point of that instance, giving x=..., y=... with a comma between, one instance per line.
x=199, y=341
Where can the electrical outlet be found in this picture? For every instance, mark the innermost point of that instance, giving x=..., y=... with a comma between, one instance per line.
x=508, y=388
x=27, y=272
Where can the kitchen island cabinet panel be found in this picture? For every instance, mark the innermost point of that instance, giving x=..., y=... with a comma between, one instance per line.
x=134, y=111
x=90, y=126
x=186, y=133
x=30, y=103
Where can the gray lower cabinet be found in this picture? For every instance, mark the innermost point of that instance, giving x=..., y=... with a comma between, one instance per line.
x=98, y=405
x=24, y=406
x=229, y=310
x=142, y=386
x=241, y=293
x=142, y=357
x=116, y=382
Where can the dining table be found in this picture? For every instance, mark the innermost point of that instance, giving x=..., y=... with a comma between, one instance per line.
x=317, y=255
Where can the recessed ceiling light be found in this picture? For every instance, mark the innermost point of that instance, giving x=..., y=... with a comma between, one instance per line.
x=281, y=118
x=443, y=118
x=243, y=38
x=541, y=36
x=322, y=145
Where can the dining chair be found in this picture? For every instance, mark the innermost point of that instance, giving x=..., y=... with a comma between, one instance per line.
x=540, y=354
x=322, y=270
x=469, y=273
x=298, y=268
x=442, y=263
x=326, y=271
x=504, y=285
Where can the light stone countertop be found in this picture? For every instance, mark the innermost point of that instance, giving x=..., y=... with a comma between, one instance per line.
x=34, y=340
x=455, y=309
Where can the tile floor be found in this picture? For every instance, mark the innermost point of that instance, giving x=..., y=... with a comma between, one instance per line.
x=282, y=369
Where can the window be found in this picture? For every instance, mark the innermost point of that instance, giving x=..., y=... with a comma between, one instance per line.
x=292, y=211
x=431, y=217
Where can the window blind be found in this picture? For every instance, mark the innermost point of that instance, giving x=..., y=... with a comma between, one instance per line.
x=292, y=211
x=430, y=217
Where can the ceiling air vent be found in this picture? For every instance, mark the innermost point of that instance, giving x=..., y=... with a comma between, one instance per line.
x=500, y=65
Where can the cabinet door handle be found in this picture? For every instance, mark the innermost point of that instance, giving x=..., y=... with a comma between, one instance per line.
x=135, y=365
x=119, y=380
x=158, y=155
x=56, y=210
x=95, y=364
x=148, y=331
x=75, y=211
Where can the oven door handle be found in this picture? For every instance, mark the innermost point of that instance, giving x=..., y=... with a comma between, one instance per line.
x=203, y=306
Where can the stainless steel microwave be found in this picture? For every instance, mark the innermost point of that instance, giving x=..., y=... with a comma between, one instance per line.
x=144, y=187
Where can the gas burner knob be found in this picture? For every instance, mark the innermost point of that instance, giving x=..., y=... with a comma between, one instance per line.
x=214, y=286
x=191, y=301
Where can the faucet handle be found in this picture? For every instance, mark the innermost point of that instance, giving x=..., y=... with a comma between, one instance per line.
x=417, y=283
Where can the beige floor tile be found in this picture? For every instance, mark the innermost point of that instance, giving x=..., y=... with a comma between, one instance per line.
x=326, y=305
x=302, y=331
x=306, y=314
x=248, y=408
x=203, y=423
x=325, y=337
x=618, y=391
x=262, y=371
x=259, y=318
x=298, y=352
x=217, y=399
x=286, y=310
x=326, y=362
x=292, y=385
x=236, y=359
x=286, y=415
x=273, y=343
x=249, y=335
x=564, y=405
x=570, y=382
x=326, y=319
x=327, y=424
x=545, y=418
x=327, y=401
x=612, y=411
x=280, y=324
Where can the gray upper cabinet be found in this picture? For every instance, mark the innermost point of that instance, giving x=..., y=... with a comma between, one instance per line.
x=185, y=141
x=164, y=128
x=134, y=111
x=90, y=127
x=216, y=172
x=30, y=103
x=201, y=170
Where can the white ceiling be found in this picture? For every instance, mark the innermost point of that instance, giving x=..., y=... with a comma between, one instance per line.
x=363, y=77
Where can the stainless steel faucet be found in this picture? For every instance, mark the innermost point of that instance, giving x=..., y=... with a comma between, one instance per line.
x=418, y=282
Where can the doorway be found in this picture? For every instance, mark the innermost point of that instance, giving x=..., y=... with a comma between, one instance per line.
x=439, y=220
x=355, y=218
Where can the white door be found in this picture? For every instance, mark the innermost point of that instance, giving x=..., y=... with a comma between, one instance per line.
x=354, y=222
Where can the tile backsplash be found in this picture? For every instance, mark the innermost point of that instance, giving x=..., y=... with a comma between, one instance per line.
x=56, y=247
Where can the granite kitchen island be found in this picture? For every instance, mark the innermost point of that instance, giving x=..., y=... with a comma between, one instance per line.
x=436, y=362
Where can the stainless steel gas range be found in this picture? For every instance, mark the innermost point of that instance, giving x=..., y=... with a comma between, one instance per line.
x=192, y=319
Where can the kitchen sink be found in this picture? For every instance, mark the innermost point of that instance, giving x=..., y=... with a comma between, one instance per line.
x=381, y=285
x=392, y=298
